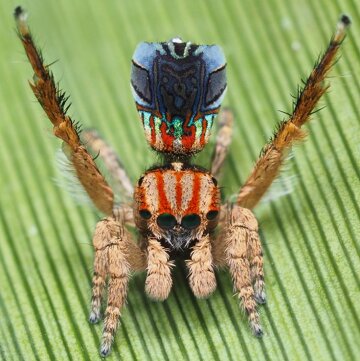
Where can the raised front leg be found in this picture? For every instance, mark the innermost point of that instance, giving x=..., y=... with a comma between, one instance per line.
x=115, y=256
x=54, y=103
x=289, y=132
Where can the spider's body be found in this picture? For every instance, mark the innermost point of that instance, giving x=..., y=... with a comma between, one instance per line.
x=178, y=88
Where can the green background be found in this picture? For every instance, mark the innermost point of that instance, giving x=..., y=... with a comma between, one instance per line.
x=310, y=237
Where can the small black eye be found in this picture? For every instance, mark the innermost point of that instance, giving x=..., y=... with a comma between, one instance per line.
x=191, y=221
x=214, y=181
x=144, y=213
x=166, y=221
x=212, y=215
x=140, y=181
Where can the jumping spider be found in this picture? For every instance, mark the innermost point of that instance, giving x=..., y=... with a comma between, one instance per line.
x=178, y=88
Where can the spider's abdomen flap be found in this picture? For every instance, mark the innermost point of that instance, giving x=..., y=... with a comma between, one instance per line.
x=178, y=88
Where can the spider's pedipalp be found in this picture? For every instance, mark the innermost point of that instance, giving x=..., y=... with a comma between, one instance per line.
x=289, y=132
x=202, y=279
x=158, y=281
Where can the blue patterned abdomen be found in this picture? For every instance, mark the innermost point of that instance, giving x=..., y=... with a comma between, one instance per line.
x=178, y=89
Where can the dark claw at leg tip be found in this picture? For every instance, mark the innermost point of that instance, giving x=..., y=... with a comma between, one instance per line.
x=105, y=351
x=18, y=11
x=260, y=300
x=257, y=331
x=94, y=318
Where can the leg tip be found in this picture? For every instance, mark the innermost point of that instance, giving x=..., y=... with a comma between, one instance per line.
x=105, y=351
x=94, y=317
x=19, y=13
x=257, y=330
x=260, y=298
x=345, y=19
x=106, y=344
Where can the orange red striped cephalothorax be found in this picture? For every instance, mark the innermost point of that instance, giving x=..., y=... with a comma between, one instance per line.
x=177, y=203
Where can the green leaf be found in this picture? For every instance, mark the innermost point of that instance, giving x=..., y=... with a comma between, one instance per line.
x=310, y=237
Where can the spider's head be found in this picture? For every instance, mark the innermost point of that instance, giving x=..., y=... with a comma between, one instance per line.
x=178, y=88
x=177, y=204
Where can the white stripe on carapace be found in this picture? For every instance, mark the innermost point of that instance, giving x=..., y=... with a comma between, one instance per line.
x=206, y=187
x=170, y=187
x=151, y=193
x=187, y=186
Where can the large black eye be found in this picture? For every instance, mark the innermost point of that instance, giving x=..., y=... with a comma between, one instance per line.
x=144, y=213
x=191, y=221
x=212, y=215
x=166, y=221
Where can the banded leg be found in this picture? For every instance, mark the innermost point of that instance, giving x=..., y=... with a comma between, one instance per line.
x=54, y=103
x=242, y=224
x=118, y=174
x=223, y=140
x=273, y=154
x=256, y=265
x=115, y=256
x=201, y=273
x=158, y=281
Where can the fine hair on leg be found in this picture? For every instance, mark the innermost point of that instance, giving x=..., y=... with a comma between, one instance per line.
x=158, y=280
x=288, y=133
x=223, y=141
x=202, y=279
x=116, y=255
x=97, y=145
x=239, y=258
x=55, y=104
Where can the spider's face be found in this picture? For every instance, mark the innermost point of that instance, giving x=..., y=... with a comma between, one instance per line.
x=177, y=204
x=178, y=88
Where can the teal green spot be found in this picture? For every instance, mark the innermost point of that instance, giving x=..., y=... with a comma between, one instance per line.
x=210, y=120
x=146, y=117
x=198, y=126
x=157, y=122
x=178, y=127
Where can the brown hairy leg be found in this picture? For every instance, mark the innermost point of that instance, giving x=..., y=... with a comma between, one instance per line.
x=241, y=252
x=201, y=273
x=158, y=281
x=118, y=174
x=223, y=140
x=54, y=103
x=256, y=261
x=274, y=153
x=115, y=256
